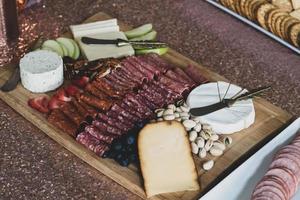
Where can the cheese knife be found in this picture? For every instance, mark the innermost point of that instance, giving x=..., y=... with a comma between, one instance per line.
x=14, y=79
x=121, y=42
x=226, y=103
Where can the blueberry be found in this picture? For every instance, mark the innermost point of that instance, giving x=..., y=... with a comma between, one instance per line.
x=130, y=139
x=124, y=162
x=117, y=145
x=119, y=156
x=106, y=154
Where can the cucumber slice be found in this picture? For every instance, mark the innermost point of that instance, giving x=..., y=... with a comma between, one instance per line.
x=52, y=44
x=139, y=31
x=159, y=51
x=77, y=50
x=149, y=36
x=64, y=48
x=68, y=44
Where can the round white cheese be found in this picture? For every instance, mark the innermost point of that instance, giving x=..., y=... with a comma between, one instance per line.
x=227, y=120
x=41, y=71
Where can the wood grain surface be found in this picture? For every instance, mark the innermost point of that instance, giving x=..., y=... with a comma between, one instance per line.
x=269, y=120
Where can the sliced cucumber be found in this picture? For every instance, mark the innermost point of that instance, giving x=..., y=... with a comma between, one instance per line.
x=52, y=44
x=149, y=36
x=64, y=48
x=139, y=31
x=68, y=44
x=77, y=50
x=159, y=51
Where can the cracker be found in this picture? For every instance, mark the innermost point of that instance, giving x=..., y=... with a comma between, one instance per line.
x=254, y=6
x=276, y=25
x=294, y=32
x=287, y=26
x=296, y=4
x=269, y=18
x=283, y=4
x=274, y=18
x=243, y=7
x=262, y=12
x=296, y=14
x=282, y=24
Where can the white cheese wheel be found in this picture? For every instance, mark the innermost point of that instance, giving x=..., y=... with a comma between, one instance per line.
x=227, y=120
x=41, y=71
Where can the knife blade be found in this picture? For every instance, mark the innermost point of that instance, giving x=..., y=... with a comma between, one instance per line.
x=226, y=103
x=14, y=79
x=121, y=42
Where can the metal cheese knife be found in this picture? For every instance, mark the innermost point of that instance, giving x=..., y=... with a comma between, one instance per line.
x=14, y=79
x=121, y=42
x=226, y=103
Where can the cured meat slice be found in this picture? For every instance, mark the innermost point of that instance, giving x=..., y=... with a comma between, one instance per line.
x=107, y=89
x=131, y=110
x=139, y=105
x=100, y=135
x=97, y=146
x=117, y=86
x=157, y=102
x=270, y=181
x=176, y=77
x=148, y=103
x=116, y=108
x=72, y=113
x=113, y=122
x=100, y=104
x=92, y=111
x=121, y=77
x=155, y=58
x=151, y=68
x=193, y=72
x=153, y=64
x=83, y=112
x=136, y=66
x=95, y=91
x=58, y=119
x=120, y=81
x=265, y=186
x=132, y=71
x=181, y=73
x=177, y=87
x=120, y=118
x=106, y=127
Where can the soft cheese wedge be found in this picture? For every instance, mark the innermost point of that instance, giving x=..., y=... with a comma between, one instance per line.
x=166, y=161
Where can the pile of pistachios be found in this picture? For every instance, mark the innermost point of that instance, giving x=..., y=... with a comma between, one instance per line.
x=203, y=139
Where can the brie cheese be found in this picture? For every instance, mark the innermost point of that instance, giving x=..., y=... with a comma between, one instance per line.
x=227, y=120
x=41, y=71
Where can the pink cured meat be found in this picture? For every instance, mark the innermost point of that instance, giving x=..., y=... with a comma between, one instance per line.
x=146, y=65
x=116, y=108
x=287, y=162
x=119, y=89
x=113, y=122
x=263, y=187
x=143, y=112
x=157, y=101
x=104, y=126
x=176, y=77
x=123, y=80
x=286, y=177
x=140, y=68
x=194, y=73
x=131, y=70
x=177, y=87
x=138, y=104
x=134, y=112
x=145, y=58
x=130, y=77
x=155, y=58
x=92, y=143
x=117, y=116
x=269, y=181
x=181, y=73
x=119, y=83
x=105, y=137
x=148, y=103
x=267, y=194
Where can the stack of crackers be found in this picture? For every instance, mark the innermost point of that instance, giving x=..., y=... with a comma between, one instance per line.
x=281, y=17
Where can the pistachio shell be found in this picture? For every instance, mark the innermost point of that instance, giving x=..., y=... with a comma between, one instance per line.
x=208, y=145
x=208, y=165
x=192, y=136
x=202, y=153
x=168, y=112
x=206, y=127
x=169, y=117
x=198, y=127
x=195, y=148
x=184, y=114
x=200, y=141
x=158, y=110
x=172, y=107
x=215, y=151
x=160, y=113
x=185, y=109
x=227, y=140
x=189, y=123
x=214, y=137
x=177, y=115
x=219, y=145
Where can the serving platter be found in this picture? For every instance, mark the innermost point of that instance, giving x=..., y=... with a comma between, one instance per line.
x=268, y=123
x=254, y=25
x=253, y=169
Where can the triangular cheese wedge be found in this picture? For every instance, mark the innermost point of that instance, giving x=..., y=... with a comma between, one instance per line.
x=166, y=160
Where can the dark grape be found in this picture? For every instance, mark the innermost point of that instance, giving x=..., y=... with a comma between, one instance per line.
x=130, y=139
x=117, y=145
x=132, y=157
x=124, y=162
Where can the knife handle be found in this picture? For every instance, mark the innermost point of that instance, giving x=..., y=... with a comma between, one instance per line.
x=209, y=109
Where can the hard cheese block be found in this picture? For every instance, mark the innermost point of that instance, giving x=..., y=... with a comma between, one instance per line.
x=166, y=160
x=98, y=51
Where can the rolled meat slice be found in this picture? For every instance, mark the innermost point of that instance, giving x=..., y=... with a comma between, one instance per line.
x=100, y=135
x=116, y=108
x=146, y=102
x=100, y=104
x=58, y=119
x=136, y=66
x=138, y=105
x=106, y=127
x=114, y=83
x=72, y=113
x=145, y=65
x=183, y=75
x=113, y=122
x=120, y=118
x=155, y=58
x=146, y=58
x=127, y=85
x=132, y=111
x=122, y=78
x=97, y=146
x=133, y=72
x=95, y=91
x=177, y=87
x=81, y=110
x=107, y=89
x=176, y=77
x=92, y=111
x=194, y=73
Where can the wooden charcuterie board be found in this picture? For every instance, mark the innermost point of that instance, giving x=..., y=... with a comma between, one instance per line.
x=269, y=121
